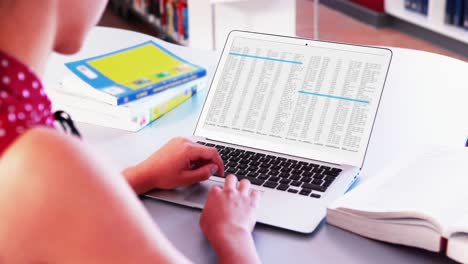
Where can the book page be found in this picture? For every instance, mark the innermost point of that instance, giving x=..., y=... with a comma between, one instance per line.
x=457, y=247
x=429, y=184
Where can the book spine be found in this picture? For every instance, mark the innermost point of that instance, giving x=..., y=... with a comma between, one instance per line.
x=170, y=17
x=408, y=4
x=180, y=15
x=154, y=8
x=130, y=122
x=176, y=20
x=466, y=15
x=200, y=73
x=443, y=245
x=186, y=23
x=449, y=12
x=418, y=7
x=58, y=96
x=425, y=7
x=164, y=108
x=162, y=12
x=458, y=13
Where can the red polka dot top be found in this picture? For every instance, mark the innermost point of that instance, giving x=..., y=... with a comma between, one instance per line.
x=23, y=102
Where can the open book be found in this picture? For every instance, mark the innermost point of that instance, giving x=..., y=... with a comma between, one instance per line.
x=420, y=201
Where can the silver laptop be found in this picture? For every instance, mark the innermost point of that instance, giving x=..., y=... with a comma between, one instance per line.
x=292, y=115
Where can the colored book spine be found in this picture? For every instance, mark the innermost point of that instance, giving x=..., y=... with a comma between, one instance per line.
x=131, y=117
x=419, y=6
x=408, y=4
x=176, y=19
x=154, y=8
x=186, y=24
x=414, y=5
x=162, y=10
x=161, y=87
x=425, y=7
x=458, y=11
x=449, y=8
x=159, y=110
x=180, y=11
x=170, y=17
x=465, y=24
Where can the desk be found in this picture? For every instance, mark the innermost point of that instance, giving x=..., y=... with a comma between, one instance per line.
x=424, y=101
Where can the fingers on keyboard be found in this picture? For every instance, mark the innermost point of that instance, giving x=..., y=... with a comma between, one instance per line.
x=279, y=173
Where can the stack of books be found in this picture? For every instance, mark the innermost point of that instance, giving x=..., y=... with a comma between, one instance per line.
x=127, y=89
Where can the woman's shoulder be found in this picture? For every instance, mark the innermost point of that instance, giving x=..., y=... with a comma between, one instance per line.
x=40, y=144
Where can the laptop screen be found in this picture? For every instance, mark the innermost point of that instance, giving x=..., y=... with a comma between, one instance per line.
x=310, y=99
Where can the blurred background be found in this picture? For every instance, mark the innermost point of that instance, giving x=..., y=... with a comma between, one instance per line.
x=438, y=26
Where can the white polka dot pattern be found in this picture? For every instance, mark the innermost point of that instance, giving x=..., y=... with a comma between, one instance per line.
x=21, y=116
x=25, y=93
x=23, y=102
x=11, y=117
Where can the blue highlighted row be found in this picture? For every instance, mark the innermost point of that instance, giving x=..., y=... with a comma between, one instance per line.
x=263, y=58
x=334, y=97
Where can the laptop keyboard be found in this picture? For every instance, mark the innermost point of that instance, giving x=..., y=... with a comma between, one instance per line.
x=288, y=175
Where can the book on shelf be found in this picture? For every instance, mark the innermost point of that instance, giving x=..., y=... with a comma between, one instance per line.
x=465, y=16
x=458, y=12
x=425, y=7
x=407, y=4
x=130, y=74
x=449, y=10
x=171, y=16
x=162, y=13
x=418, y=201
x=182, y=20
x=132, y=116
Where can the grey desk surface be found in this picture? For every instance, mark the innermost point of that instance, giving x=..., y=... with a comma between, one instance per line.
x=423, y=102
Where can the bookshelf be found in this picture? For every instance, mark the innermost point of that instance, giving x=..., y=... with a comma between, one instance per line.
x=435, y=19
x=210, y=21
x=168, y=18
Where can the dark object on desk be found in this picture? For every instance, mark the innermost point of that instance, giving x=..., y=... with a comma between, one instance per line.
x=66, y=122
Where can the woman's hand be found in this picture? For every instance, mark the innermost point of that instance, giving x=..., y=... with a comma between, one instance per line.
x=228, y=219
x=180, y=162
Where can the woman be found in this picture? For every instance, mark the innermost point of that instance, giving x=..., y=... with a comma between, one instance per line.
x=58, y=201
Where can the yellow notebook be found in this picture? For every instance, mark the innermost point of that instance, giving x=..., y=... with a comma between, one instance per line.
x=129, y=74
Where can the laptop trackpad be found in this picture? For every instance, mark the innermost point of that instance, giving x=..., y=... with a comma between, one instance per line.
x=199, y=193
